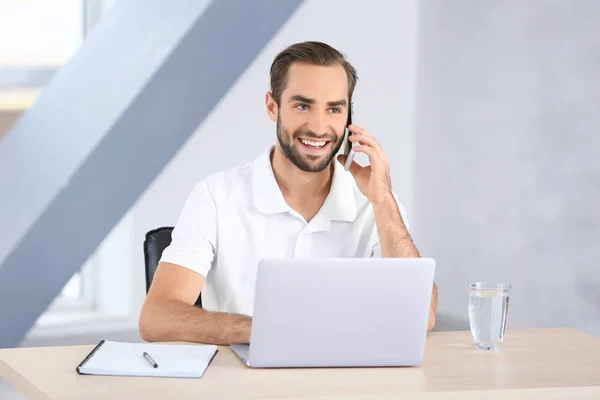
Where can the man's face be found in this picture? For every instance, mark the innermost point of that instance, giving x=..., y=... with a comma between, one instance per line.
x=312, y=115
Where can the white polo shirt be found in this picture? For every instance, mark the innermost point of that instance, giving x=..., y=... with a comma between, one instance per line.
x=234, y=218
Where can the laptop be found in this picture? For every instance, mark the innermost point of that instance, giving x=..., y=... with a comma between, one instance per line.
x=339, y=312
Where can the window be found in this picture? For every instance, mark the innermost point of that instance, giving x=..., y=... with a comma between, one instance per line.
x=36, y=38
x=39, y=32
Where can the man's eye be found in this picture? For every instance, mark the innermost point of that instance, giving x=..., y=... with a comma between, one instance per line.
x=302, y=107
x=336, y=110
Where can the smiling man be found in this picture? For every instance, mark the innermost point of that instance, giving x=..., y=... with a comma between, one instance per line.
x=294, y=200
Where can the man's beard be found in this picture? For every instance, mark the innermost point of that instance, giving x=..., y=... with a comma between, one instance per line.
x=289, y=144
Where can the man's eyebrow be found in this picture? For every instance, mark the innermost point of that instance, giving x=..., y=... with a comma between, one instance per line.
x=303, y=99
x=337, y=103
x=306, y=100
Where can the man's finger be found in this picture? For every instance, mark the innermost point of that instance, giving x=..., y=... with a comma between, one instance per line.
x=365, y=138
x=370, y=142
x=374, y=155
x=377, y=160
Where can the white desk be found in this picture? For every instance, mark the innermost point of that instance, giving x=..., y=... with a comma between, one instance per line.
x=536, y=363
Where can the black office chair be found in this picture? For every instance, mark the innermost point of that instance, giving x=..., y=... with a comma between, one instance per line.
x=156, y=242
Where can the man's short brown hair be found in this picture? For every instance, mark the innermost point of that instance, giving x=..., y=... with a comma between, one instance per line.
x=315, y=53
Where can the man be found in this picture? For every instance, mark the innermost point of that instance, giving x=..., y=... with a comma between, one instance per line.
x=295, y=200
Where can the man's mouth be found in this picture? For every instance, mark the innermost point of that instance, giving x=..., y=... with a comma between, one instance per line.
x=313, y=145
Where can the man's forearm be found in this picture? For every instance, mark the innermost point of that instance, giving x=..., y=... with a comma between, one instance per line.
x=172, y=320
x=394, y=238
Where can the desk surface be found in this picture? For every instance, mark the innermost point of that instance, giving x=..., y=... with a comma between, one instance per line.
x=546, y=363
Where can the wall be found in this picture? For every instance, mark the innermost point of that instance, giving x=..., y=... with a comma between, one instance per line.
x=507, y=172
x=379, y=39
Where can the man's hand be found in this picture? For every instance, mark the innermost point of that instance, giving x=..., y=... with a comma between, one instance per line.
x=433, y=307
x=374, y=180
x=431, y=323
x=168, y=313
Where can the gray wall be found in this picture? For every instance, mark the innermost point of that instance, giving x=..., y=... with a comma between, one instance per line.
x=508, y=155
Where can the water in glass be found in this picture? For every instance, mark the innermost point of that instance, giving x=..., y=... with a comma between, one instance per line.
x=488, y=311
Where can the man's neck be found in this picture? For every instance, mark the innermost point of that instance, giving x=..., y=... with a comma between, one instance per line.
x=304, y=191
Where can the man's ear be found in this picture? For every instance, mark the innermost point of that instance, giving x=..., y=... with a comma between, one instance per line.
x=272, y=108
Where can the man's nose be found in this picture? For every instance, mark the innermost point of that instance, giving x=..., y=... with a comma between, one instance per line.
x=319, y=124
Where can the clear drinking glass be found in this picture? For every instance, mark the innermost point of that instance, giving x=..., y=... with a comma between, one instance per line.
x=488, y=311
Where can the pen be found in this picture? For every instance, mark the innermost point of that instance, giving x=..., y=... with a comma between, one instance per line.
x=150, y=360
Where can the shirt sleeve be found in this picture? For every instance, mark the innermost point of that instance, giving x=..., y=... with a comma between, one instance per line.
x=376, y=248
x=194, y=237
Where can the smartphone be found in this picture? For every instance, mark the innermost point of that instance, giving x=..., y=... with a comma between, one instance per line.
x=347, y=143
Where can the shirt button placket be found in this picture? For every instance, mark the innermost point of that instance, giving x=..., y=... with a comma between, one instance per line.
x=301, y=249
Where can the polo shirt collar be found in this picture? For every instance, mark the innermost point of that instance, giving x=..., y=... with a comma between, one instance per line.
x=340, y=204
x=268, y=198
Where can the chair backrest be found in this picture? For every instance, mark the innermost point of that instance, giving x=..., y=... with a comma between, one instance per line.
x=157, y=240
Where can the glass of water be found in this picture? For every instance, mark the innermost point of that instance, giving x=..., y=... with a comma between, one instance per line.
x=488, y=311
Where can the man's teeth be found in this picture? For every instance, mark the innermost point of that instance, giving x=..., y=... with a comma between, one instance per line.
x=313, y=144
